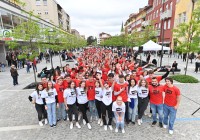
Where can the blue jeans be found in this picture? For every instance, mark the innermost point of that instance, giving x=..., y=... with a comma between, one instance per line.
x=119, y=123
x=157, y=108
x=133, y=112
x=93, y=109
x=51, y=112
x=169, y=113
x=61, y=112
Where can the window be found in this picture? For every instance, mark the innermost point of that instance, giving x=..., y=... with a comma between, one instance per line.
x=45, y=2
x=7, y=20
x=167, y=7
x=169, y=24
x=171, y=4
x=184, y=17
x=165, y=25
x=37, y=3
x=39, y=12
x=159, y=25
x=46, y=12
x=179, y=18
x=157, y=13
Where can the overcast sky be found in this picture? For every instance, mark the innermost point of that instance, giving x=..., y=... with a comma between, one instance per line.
x=91, y=17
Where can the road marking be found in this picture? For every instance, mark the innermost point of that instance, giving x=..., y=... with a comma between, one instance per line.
x=16, y=128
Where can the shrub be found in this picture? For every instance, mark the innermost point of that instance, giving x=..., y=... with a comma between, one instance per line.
x=184, y=79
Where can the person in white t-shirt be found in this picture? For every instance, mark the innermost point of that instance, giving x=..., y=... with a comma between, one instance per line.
x=133, y=100
x=98, y=99
x=51, y=101
x=118, y=109
x=107, y=105
x=83, y=102
x=143, y=99
x=70, y=103
x=36, y=98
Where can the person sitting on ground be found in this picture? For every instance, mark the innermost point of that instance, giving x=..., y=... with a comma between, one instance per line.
x=174, y=66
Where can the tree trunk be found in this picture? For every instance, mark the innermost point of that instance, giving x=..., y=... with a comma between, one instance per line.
x=60, y=60
x=33, y=66
x=186, y=63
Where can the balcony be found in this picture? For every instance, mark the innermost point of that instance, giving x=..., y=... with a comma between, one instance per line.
x=146, y=23
x=157, y=32
x=166, y=14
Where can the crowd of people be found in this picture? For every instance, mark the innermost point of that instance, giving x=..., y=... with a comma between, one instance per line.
x=106, y=86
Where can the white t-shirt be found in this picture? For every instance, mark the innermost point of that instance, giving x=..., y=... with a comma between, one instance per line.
x=117, y=108
x=49, y=95
x=107, y=96
x=70, y=96
x=98, y=93
x=81, y=95
x=143, y=92
x=133, y=92
x=37, y=97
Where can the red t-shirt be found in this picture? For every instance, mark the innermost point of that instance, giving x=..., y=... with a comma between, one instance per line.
x=44, y=85
x=156, y=96
x=105, y=74
x=171, y=94
x=90, y=85
x=65, y=84
x=77, y=82
x=123, y=94
x=149, y=80
x=131, y=66
x=73, y=75
x=60, y=90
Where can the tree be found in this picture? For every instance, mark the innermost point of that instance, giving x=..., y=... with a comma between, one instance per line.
x=188, y=34
x=28, y=31
x=90, y=40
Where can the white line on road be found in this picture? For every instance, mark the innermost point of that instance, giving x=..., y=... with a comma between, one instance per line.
x=15, y=128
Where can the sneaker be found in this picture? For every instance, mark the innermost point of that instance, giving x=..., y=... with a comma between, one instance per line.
x=161, y=125
x=101, y=124
x=123, y=131
x=54, y=125
x=171, y=132
x=116, y=130
x=79, y=116
x=164, y=126
x=40, y=123
x=71, y=125
x=105, y=127
x=110, y=126
x=45, y=121
x=91, y=119
x=99, y=121
x=139, y=122
x=77, y=125
x=64, y=119
x=133, y=123
x=89, y=126
x=58, y=120
x=84, y=122
x=51, y=125
x=150, y=115
x=153, y=124
x=67, y=118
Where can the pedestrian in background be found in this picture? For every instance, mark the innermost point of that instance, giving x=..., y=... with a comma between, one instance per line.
x=14, y=74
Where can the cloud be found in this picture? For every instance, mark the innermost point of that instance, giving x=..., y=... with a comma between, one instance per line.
x=90, y=17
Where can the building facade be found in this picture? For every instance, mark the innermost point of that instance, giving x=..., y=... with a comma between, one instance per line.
x=75, y=32
x=11, y=15
x=159, y=13
x=50, y=11
x=102, y=37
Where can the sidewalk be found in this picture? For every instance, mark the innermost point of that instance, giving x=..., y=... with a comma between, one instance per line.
x=25, y=78
x=181, y=65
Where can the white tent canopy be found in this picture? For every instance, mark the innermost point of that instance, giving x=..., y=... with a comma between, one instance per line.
x=152, y=46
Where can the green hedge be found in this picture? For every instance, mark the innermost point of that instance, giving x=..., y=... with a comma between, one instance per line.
x=184, y=79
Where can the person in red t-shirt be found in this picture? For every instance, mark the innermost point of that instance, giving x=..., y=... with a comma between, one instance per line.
x=120, y=89
x=66, y=81
x=171, y=103
x=44, y=82
x=90, y=86
x=60, y=89
x=156, y=101
x=159, y=78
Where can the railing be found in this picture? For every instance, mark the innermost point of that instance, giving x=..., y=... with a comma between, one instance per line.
x=166, y=14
